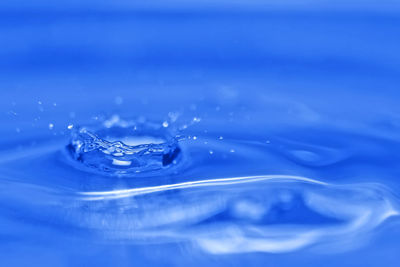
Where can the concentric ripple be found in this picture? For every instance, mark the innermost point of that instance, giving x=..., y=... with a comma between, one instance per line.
x=121, y=147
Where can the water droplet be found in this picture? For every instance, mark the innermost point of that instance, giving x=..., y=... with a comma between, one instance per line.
x=70, y=126
x=194, y=137
x=221, y=137
x=211, y=152
x=165, y=124
x=51, y=126
x=232, y=150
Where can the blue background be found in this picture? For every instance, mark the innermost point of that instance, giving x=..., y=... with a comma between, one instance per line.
x=330, y=66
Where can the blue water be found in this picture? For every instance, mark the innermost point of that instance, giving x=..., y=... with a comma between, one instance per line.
x=224, y=134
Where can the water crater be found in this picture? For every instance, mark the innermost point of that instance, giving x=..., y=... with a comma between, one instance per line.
x=121, y=147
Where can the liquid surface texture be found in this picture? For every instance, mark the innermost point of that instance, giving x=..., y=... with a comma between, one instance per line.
x=199, y=134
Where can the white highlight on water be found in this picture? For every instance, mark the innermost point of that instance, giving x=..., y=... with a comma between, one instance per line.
x=198, y=183
x=359, y=209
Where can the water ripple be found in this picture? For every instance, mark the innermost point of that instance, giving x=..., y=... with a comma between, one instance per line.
x=268, y=213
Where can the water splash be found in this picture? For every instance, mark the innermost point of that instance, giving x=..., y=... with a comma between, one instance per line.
x=267, y=213
x=120, y=147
